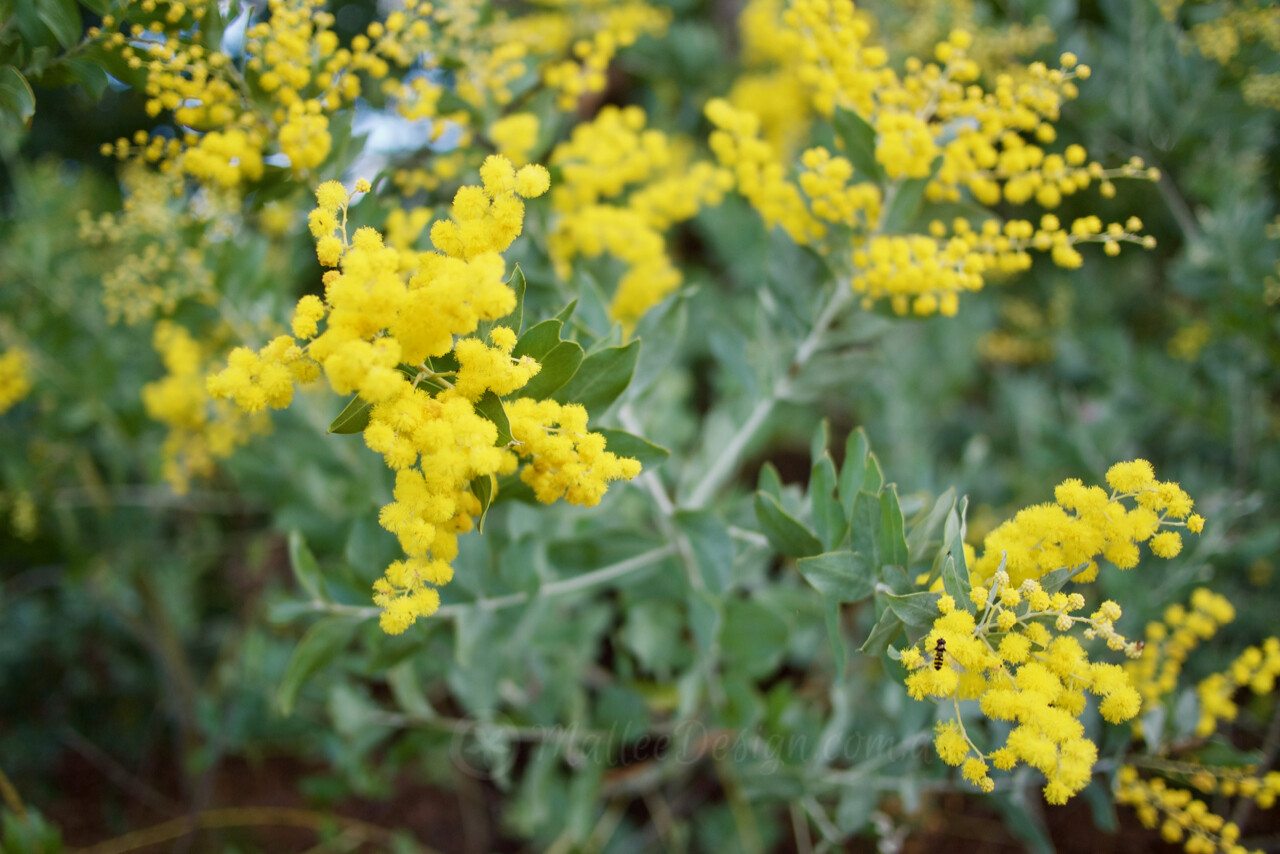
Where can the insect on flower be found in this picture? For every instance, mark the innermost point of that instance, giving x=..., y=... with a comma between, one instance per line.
x=939, y=650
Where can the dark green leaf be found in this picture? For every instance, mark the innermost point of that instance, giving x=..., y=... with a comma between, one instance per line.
x=601, y=377
x=784, y=532
x=624, y=444
x=305, y=568
x=490, y=406
x=859, y=139
x=841, y=576
x=353, y=418
x=484, y=489
x=17, y=101
x=62, y=17
x=1025, y=821
x=518, y=284
x=1102, y=806
x=320, y=645
x=558, y=367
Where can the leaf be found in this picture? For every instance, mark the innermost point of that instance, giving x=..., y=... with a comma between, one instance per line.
x=769, y=481
x=906, y=201
x=624, y=444
x=853, y=473
x=882, y=633
x=1053, y=581
x=406, y=690
x=917, y=610
x=859, y=139
x=305, y=568
x=955, y=585
x=490, y=406
x=955, y=571
x=601, y=377
x=828, y=516
x=353, y=418
x=484, y=489
x=831, y=617
x=538, y=340
x=784, y=532
x=841, y=576
x=17, y=101
x=660, y=330
x=820, y=442
x=1024, y=821
x=512, y=320
x=1102, y=807
x=752, y=638
x=320, y=645
x=712, y=546
x=893, y=544
x=62, y=17
x=558, y=367
x=567, y=312
x=922, y=528
x=864, y=527
x=518, y=284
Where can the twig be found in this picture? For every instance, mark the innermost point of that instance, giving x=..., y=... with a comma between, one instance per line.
x=1270, y=745
x=240, y=817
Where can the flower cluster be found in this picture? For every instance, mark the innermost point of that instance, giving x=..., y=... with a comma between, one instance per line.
x=1013, y=646
x=1087, y=522
x=159, y=268
x=274, y=95
x=200, y=429
x=1238, y=36
x=15, y=377
x=609, y=157
x=397, y=328
x=1167, y=801
x=1256, y=668
x=1025, y=333
x=1180, y=816
x=1169, y=641
x=1014, y=654
x=934, y=122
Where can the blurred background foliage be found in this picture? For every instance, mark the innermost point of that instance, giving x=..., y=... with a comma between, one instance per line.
x=147, y=636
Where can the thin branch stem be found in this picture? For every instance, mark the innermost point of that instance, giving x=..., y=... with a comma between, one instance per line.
x=621, y=569
x=727, y=462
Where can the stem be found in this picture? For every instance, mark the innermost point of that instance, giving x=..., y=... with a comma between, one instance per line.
x=727, y=462
x=555, y=588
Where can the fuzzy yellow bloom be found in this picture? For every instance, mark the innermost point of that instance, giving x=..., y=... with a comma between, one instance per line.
x=15, y=377
x=388, y=311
